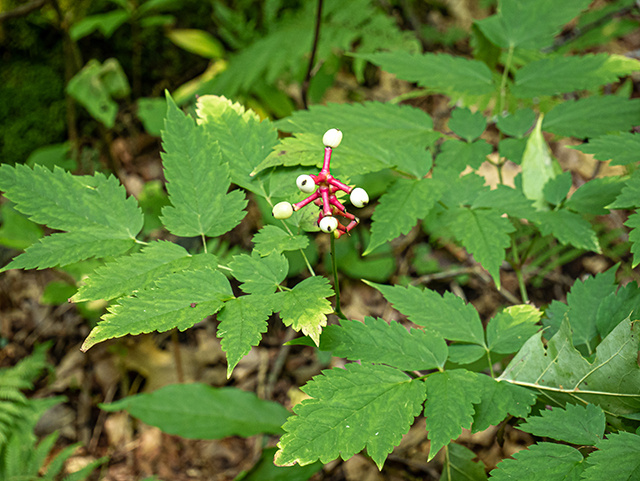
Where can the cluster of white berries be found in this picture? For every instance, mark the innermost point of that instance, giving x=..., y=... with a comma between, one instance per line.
x=324, y=197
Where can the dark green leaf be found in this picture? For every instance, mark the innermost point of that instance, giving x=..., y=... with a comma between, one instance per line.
x=517, y=124
x=204, y=412
x=594, y=196
x=510, y=329
x=618, y=457
x=271, y=238
x=449, y=406
x=498, y=399
x=618, y=306
x=446, y=315
x=460, y=467
x=512, y=149
x=583, y=425
x=556, y=189
x=621, y=148
x=630, y=195
x=259, y=275
x=466, y=124
x=592, y=116
x=633, y=222
x=349, y=411
x=456, y=155
x=506, y=200
x=463, y=354
x=540, y=462
x=379, y=342
x=569, y=228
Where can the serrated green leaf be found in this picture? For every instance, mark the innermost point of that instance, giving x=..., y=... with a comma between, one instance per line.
x=582, y=306
x=349, y=411
x=618, y=306
x=633, y=222
x=126, y=275
x=510, y=329
x=618, y=457
x=484, y=233
x=561, y=374
x=271, y=238
x=529, y=24
x=456, y=155
x=449, y=406
x=499, y=399
x=204, y=412
x=558, y=75
x=446, y=315
x=506, y=200
x=460, y=467
x=242, y=323
x=512, y=149
x=466, y=124
x=537, y=167
x=400, y=208
x=259, y=275
x=462, y=354
x=592, y=116
x=582, y=425
x=556, y=189
x=517, y=124
x=569, y=228
x=630, y=195
x=440, y=72
x=594, y=196
x=63, y=249
x=244, y=139
x=179, y=300
x=621, y=148
x=197, y=180
x=540, y=462
x=305, y=306
x=379, y=342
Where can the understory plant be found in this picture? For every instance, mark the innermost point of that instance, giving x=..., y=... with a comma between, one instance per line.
x=574, y=385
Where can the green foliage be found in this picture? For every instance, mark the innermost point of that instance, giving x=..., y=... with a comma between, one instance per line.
x=271, y=238
x=620, y=148
x=466, y=124
x=560, y=463
x=349, y=411
x=259, y=275
x=459, y=465
x=204, y=412
x=617, y=456
x=575, y=425
x=265, y=470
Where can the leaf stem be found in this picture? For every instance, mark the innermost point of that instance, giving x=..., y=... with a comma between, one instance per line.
x=314, y=49
x=447, y=462
x=204, y=243
x=503, y=83
x=336, y=284
x=493, y=374
x=517, y=267
x=304, y=256
x=177, y=356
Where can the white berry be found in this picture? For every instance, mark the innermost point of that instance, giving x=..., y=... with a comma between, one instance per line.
x=328, y=224
x=332, y=138
x=305, y=183
x=282, y=210
x=359, y=197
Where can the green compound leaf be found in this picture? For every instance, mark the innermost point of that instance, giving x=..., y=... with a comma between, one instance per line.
x=618, y=457
x=456, y=155
x=178, y=300
x=349, y=411
x=569, y=228
x=541, y=462
x=506, y=200
x=633, y=222
x=621, y=149
x=242, y=323
x=484, y=233
x=537, y=166
x=400, y=208
x=529, y=24
x=379, y=342
x=126, y=275
x=449, y=407
x=244, y=140
x=582, y=306
x=204, y=412
x=466, y=124
x=64, y=249
x=376, y=136
x=446, y=315
x=510, y=329
x=517, y=124
x=630, y=195
x=499, y=399
x=594, y=196
x=197, y=180
x=618, y=306
x=305, y=306
x=271, y=238
x=70, y=202
x=460, y=467
x=558, y=75
x=592, y=116
x=439, y=72
x=560, y=374
x=582, y=425
x=259, y=275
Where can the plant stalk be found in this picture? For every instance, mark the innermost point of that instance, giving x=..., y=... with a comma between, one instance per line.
x=314, y=49
x=336, y=283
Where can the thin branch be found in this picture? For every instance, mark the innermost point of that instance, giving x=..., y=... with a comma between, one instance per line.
x=22, y=10
x=312, y=60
